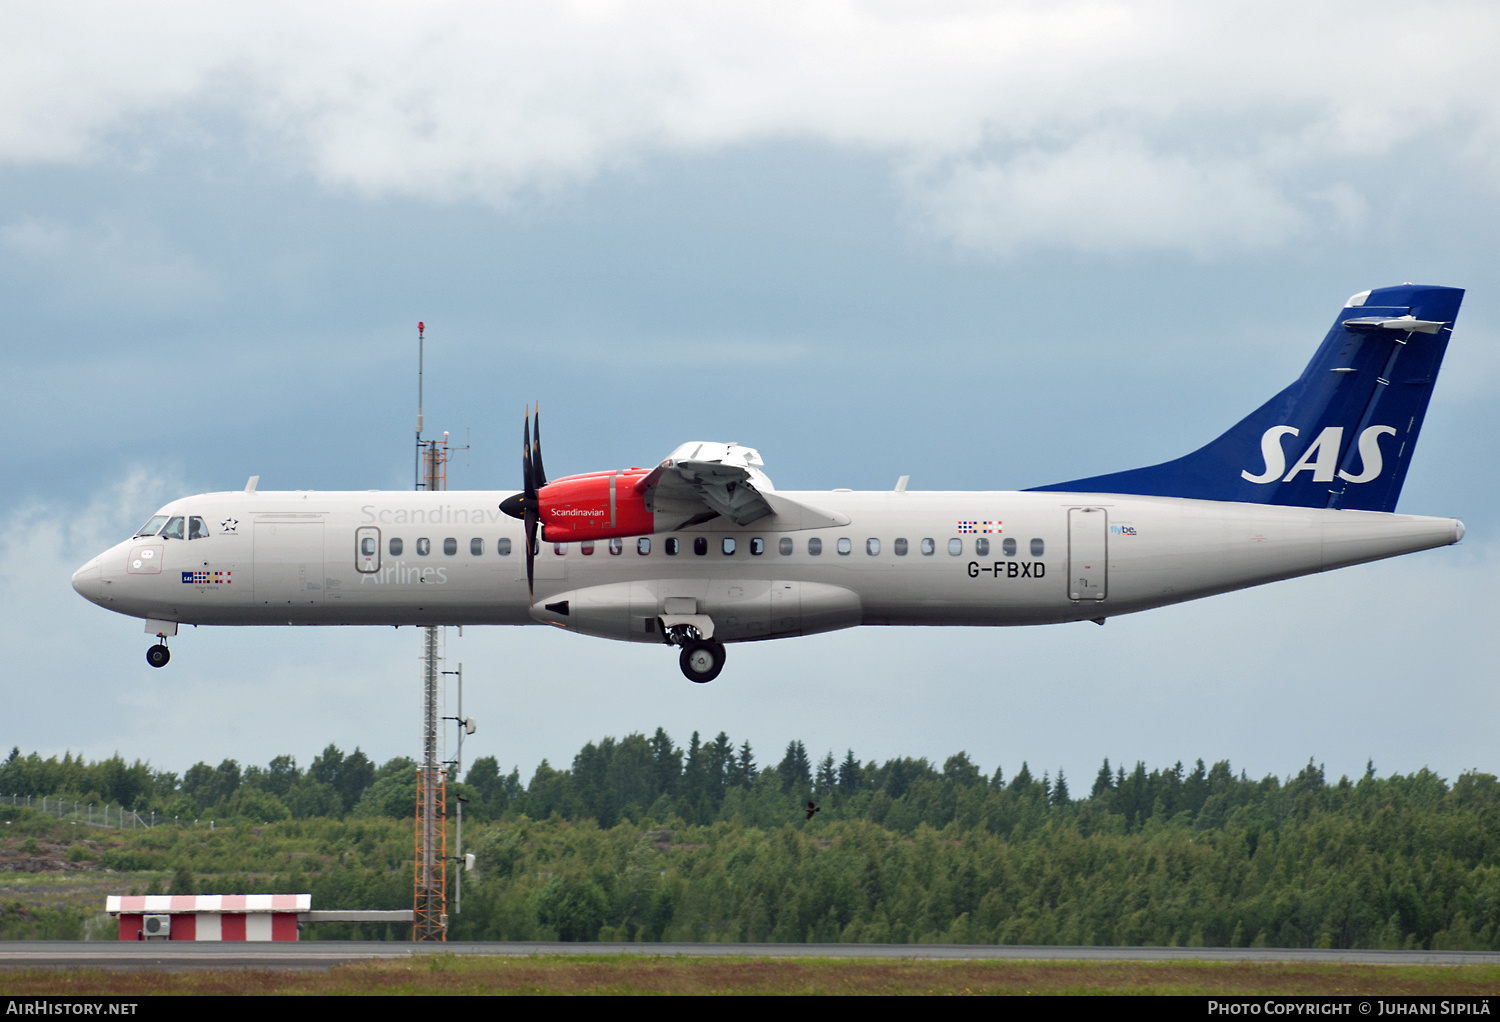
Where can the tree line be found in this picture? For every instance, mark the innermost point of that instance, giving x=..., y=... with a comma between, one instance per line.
x=638, y=779
x=640, y=839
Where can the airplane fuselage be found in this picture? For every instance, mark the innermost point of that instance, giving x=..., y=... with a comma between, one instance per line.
x=904, y=558
x=702, y=550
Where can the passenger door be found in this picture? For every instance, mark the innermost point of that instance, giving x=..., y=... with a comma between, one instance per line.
x=1088, y=539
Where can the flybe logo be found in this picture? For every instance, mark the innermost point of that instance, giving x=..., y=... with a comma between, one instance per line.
x=1322, y=458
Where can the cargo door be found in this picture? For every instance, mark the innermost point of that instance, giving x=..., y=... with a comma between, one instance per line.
x=288, y=562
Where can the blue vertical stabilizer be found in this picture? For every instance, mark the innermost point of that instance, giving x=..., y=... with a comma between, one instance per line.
x=1342, y=435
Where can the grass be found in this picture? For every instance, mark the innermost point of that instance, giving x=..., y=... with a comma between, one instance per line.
x=83, y=887
x=611, y=974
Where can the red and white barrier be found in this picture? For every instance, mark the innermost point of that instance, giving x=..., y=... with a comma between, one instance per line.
x=209, y=916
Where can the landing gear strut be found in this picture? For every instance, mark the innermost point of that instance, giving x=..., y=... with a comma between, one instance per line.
x=702, y=660
x=158, y=655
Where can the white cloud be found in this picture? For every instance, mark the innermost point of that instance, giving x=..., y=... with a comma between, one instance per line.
x=1104, y=124
x=1107, y=194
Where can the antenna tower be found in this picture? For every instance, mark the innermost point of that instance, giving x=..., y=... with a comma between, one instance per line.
x=430, y=881
x=430, y=900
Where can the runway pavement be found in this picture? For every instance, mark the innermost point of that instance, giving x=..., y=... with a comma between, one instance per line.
x=324, y=954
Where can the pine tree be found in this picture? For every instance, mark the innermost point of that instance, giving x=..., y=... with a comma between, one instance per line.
x=827, y=776
x=720, y=755
x=695, y=783
x=795, y=769
x=666, y=765
x=1103, y=783
x=850, y=775
x=744, y=770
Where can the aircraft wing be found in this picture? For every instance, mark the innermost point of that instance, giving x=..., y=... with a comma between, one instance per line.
x=703, y=480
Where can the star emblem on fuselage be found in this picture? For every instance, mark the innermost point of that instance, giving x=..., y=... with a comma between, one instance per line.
x=228, y=524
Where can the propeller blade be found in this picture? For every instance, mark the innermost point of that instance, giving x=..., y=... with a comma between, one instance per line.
x=526, y=505
x=531, y=552
x=536, y=449
x=528, y=482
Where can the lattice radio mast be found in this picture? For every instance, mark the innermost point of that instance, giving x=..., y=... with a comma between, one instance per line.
x=430, y=900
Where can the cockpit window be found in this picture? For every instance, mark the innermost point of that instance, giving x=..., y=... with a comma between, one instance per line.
x=152, y=527
x=173, y=529
x=196, y=528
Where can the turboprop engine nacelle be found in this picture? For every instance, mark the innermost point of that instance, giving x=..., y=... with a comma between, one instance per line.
x=595, y=505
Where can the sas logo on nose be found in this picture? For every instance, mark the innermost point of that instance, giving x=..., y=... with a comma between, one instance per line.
x=1322, y=457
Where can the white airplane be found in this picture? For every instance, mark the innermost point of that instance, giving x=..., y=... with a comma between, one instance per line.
x=702, y=550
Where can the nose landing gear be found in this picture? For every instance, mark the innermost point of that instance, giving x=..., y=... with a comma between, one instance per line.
x=159, y=654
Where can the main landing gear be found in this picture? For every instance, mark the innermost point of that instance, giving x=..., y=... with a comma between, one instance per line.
x=701, y=659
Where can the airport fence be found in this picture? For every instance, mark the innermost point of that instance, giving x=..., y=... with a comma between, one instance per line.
x=110, y=814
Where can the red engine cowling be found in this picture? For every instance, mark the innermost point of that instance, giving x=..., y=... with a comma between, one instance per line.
x=595, y=505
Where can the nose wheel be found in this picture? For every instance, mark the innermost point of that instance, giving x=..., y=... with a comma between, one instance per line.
x=702, y=660
x=158, y=655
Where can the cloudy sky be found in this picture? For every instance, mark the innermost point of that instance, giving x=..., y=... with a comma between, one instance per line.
x=987, y=245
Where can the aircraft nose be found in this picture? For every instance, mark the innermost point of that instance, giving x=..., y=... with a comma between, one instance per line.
x=88, y=581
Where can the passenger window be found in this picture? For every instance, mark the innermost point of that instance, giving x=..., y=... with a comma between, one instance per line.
x=757, y=547
x=700, y=545
x=450, y=546
x=955, y=547
x=844, y=546
x=671, y=546
x=815, y=546
x=173, y=529
x=1008, y=547
x=476, y=547
x=784, y=544
x=872, y=547
x=559, y=548
x=196, y=528
x=502, y=546
x=424, y=547
x=616, y=545
x=899, y=548
x=152, y=527
x=727, y=546
x=586, y=548
x=643, y=545
x=396, y=547
x=367, y=547
x=1037, y=548
x=929, y=547
x=982, y=547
